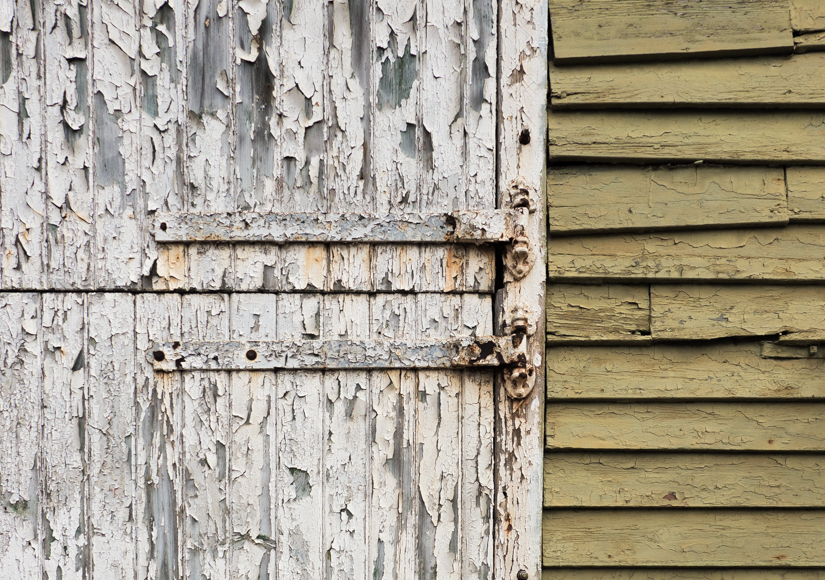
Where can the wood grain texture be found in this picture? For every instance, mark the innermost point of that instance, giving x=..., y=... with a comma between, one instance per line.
x=807, y=15
x=603, y=30
x=587, y=198
x=793, y=137
x=806, y=193
x=691, y=312
x=811, y=42
x=663, y=371
x=732, y=538
x=769, y=82
x=21, y=392
x=695, y=480
x=687, y=426
x=795, y=253
x=680, y=574
x=577, y=313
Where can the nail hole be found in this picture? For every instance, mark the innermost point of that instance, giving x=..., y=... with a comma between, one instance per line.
x=159, y=356
x=524, y=137
x=251, y=355
x=163, y=226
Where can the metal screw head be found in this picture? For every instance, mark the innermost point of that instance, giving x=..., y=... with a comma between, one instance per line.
x=522, y=575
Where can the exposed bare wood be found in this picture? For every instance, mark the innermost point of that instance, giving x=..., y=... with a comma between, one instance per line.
x=732, y=538
x=710, y=371
x=21, y=392
x=807, y=15
x=795, y=253
x=758, y=82
x=587, y=198
x=792, y=137
x=690, y=312
x=603, y=30
x=683, y=480
x=577, y=313
x=806, y=193
x=691, y=426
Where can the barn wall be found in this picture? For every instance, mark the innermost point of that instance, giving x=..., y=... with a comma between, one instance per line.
x=685, y=418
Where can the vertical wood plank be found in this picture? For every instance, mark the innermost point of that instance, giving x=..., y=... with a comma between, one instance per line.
x=111, y=434
x=69, y=203
x=22, y=184
x=159, y=494
x=251, y=483
x=480, y=102
x=303, y=267
x=522, y=77
x=438, y=438
x=63, y=447
x=162, y=131
x=205, y=440
x=303, y=62
x=346, y=456
x=20, y=403
x=348, y=116
x=395, y=92
x=210, y=267
x=118, y=211
x=441, y=140
x=394, y=267
x=257, y=51
x=257, y=267
x=210, y=91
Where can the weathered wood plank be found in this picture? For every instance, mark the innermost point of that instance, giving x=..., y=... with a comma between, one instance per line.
x=806, y=193
x=807, y=15
x=346, y=451
x=111, y=434
x=588, y=198
x=63, y=447
x=21, y=391
x=680, y=574
x=603, y=30
x=710, y=371
x=210, y=267
x=683, y=480
x=771, y=82
x=118, y=204
x=22, y=180
x=813, y=42
x=732, y=538
x=480, y=70
x=205, y=441
x=603, y=313
x=792, y=137
x=395, y=103
x=69, y=205
x=258, y=170
x=252, y=486
x=795, y=253
x=159, y=490
x=302, y=104
x=442, y=126
x=689, y=426
x=690, y=312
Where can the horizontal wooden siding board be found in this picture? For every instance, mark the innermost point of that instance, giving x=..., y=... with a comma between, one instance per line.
x=734, y=538
x=680, y=574
x=607, y=30
x=695, y=480
x=597, y=313
x=713, y=136
x=687, y=426
x=588, y=198
x=806, y=193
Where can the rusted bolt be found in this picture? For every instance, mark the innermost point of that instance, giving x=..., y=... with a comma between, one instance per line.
x=163, y=226
x=251, y=354
x=524, y=139
x=159, y=355
x=522, y=575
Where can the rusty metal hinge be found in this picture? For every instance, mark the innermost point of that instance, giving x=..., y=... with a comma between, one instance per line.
x=468, y=352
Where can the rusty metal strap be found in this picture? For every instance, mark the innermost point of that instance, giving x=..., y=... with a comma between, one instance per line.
x=469, y=352
x=478, y=227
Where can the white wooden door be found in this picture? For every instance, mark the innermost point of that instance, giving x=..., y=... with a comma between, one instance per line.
x=112, y=468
